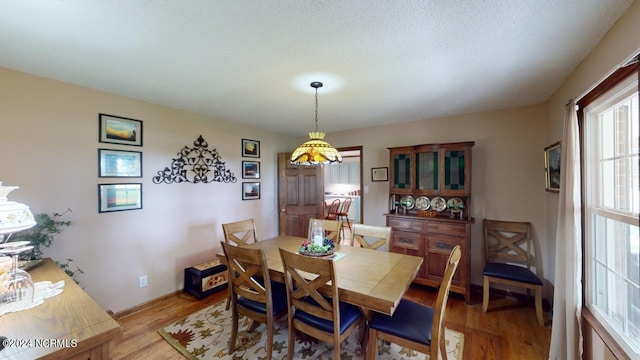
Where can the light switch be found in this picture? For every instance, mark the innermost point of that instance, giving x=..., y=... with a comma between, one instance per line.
x=366, y=189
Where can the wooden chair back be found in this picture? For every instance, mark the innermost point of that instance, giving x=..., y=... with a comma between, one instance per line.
x=332, y=210
x=240, y=232
x=371, y=237
x=344, y=207
x=312, y=289
x=331, y=229
x=245, y=267
x=404, y=327
x=296, y=269
x=507, y=242
x=437, y=328
x=249, y=279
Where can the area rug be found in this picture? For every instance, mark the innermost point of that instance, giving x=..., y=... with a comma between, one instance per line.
x=205, y=335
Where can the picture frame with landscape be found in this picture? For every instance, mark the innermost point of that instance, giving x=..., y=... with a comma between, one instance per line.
x=552, y=167
x=250, y=190
x=250, y=148
x=251, y=170
x=120, y=130
x=119, y=197
x=119, y=163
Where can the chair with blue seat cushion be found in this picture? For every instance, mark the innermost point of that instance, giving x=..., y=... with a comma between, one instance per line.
x=508, y=260
x=239, y=233
x=413, y=325
x=253, y=294
x=322, y=316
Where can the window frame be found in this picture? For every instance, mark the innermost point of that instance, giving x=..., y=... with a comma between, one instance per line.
x=607, y=334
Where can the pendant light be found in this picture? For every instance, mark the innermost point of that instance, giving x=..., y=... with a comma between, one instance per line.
x=315, y=150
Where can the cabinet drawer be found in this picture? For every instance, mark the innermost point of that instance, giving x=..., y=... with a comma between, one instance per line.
x=407, y=240
x=447, y=228
x=407, y=224
x=443, y=243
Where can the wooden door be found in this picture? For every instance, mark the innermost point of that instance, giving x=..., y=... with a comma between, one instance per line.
x=300, y=196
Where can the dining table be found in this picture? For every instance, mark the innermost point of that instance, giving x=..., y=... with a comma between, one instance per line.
x=374, y=280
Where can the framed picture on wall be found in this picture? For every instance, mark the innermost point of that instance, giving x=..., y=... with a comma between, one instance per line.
x=119, y=163
x=120, y=130
x=119, y=197
x=552, y=167
x=250, y=190
x=250, y=148
x=251, y=170
x=380, y=174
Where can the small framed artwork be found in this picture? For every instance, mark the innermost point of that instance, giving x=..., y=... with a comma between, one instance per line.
x=119, y=163
x=251, y=170
x=120, y=130
x=250, y=190
x=552, y=167
x=250, y=148
x=380, y=174
x=119, y=197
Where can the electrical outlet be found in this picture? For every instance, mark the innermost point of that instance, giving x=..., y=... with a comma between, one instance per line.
x=142, y=281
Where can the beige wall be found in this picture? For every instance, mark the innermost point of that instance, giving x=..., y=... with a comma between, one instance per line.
x=49, y=142
x=507, y=172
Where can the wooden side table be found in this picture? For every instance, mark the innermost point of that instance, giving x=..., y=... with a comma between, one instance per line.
x=70, y=325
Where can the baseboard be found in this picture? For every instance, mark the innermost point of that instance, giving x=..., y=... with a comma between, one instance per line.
x=143, y=306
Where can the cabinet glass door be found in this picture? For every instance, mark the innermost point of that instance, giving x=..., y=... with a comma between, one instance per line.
x=427, y=170
x=402, y=171
x=454, y=170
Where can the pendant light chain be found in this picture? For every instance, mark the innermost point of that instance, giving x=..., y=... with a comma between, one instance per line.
x=316, y=109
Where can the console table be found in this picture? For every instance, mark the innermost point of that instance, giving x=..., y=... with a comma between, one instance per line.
x=72, y=320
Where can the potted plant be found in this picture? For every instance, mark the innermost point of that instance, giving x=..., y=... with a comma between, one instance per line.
x=41, y=236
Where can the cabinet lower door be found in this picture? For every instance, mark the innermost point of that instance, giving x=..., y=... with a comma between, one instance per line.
x=439, y=247
x=410, y=244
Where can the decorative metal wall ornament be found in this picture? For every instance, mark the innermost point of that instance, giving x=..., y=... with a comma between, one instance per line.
x=194, y=165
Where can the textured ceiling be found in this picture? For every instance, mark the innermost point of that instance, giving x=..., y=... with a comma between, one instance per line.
x=251, y=62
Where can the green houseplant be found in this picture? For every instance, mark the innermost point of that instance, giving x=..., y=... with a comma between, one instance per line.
x=41, y=236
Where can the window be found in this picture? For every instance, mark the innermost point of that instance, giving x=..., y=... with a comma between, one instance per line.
x=611, y=189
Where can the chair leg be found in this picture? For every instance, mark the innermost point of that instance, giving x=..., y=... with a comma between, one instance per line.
x=234, y=331
x=538, y=292
x=292, y=341
x=485, y=293
x=372, y=346
x=269, y=339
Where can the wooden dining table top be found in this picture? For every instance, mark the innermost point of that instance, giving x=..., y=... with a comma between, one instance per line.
x=372, y=279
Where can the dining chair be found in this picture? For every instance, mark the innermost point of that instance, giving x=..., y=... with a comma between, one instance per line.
x=413, y=325
x=240, y=232
x=325, y=318
x=331, y=229
x=508, y=260
x=332, y=210
x=343, y=213
x=254, y=295
x=371, y=236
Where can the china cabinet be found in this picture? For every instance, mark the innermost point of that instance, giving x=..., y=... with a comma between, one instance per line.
x=429, y=207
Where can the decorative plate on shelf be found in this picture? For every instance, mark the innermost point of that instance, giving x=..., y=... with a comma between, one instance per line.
x=422, y=203
x=407, y=202
x=455, y=204
x=438, y=204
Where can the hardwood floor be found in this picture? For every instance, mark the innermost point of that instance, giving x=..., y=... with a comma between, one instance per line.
x=510, y=332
